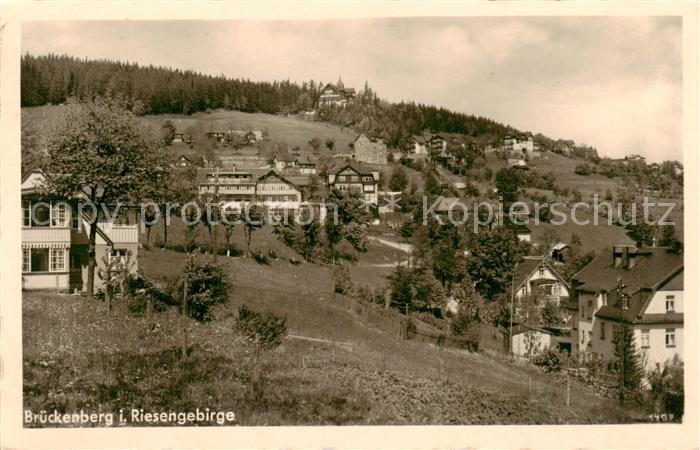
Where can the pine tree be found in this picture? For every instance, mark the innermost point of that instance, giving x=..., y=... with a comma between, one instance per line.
x=629, y=366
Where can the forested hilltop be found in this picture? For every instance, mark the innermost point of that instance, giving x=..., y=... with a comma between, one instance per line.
x=53, y=79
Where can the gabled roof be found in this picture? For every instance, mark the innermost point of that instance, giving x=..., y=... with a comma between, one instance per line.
x=653, y=266
x=527, y=267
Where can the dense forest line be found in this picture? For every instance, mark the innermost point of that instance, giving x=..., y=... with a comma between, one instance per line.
x=53, y=79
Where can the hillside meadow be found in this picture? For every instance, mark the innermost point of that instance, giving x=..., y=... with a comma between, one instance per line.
x=341, y=363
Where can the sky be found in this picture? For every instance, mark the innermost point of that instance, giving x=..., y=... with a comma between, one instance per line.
x=611, y=82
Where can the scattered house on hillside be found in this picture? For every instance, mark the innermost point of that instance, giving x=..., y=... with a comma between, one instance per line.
x=419, y=146
x=305, y=165
x=527, y=341
x=233, y=187
x=283, y=161
x=534, y=275
x=560, y=252
x=640, y=287
x=447, y=206
x=178, y=137
x=258, y=135
x=336, y=95
x=55, y=240
x=350, y=179
x=369, y=150
x=276, y=192
x=218, y=136
x=184, y=161
x=227, y=185
x=523, y=232
x=517, y=163
x=437, y=143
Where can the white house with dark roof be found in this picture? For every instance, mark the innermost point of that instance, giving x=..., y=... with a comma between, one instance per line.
x=639, y=287
x=350, y=179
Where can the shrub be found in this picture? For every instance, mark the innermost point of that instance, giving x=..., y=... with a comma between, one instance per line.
x=341, y=280
x=265, y=330
x=549, y=359
x=206, y=287
x=666, y=387
x=261, y=258
x=409, y=329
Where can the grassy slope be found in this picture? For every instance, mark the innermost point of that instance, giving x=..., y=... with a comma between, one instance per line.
x=369, y=376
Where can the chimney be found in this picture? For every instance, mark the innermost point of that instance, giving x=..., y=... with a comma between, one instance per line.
x=631, y=257
x=617, y=256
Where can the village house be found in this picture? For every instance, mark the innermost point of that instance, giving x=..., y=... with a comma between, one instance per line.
x=534, y=275
x=178, y=137
x=227, y=185
x=369, y=150
x=276, y=192
x=527, y=340
x=638, y=287
x=249, y=185
x=184, y=161
x=437, y=143
x=218, y=136
x=283, y=161
x=419, y=147
x=336, y=95
x=55, y=240
x=349, y=179
x=517, y=163
x=305, y=165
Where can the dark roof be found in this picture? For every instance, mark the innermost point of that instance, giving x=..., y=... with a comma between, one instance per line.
x=675, y=284
x=286, y=157
x=654, y=265
x=633, y=315
x=528, y=265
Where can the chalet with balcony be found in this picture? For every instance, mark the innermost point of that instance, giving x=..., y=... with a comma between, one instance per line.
x=350, y=179
x=638, y=287
x=55, y=239
x=536, y=276
x=336, y=95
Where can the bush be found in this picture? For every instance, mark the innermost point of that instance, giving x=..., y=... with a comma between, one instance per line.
x=549, y=359
x=341, y=280
x=261, y=258
x=206, y=287
x=265, y=330
x=666, y=387
x=409, y=329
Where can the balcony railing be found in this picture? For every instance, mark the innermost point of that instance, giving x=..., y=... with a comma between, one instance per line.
x=46, y=235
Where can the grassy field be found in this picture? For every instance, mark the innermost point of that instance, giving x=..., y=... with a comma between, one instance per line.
x=289, y=130
x=342, y=362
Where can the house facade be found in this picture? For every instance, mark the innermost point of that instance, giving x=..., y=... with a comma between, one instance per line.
x=276, y=192
x=369, y=150
x=336, y=95
x=637, y=287
x=262, y=186
x=55, y=240
x=349, y=179
x=535, y=275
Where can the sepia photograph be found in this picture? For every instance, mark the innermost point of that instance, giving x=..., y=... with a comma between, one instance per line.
x=378, y=221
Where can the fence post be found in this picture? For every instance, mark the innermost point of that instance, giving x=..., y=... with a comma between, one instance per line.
x=568, y=389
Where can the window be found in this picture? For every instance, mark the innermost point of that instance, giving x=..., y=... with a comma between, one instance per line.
x=602, y=331
x=41, y=214
x=645, y=338
x=616, y=333
x=118, y=254
x=541, y=270
x=26, y=214
x=590, y=303
x=590, y=337
x=58, y=260
x=26, y=260
x=39, y=259
x=670, y=337
x=670, y=303
x=59, y=215
x=555, y=289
